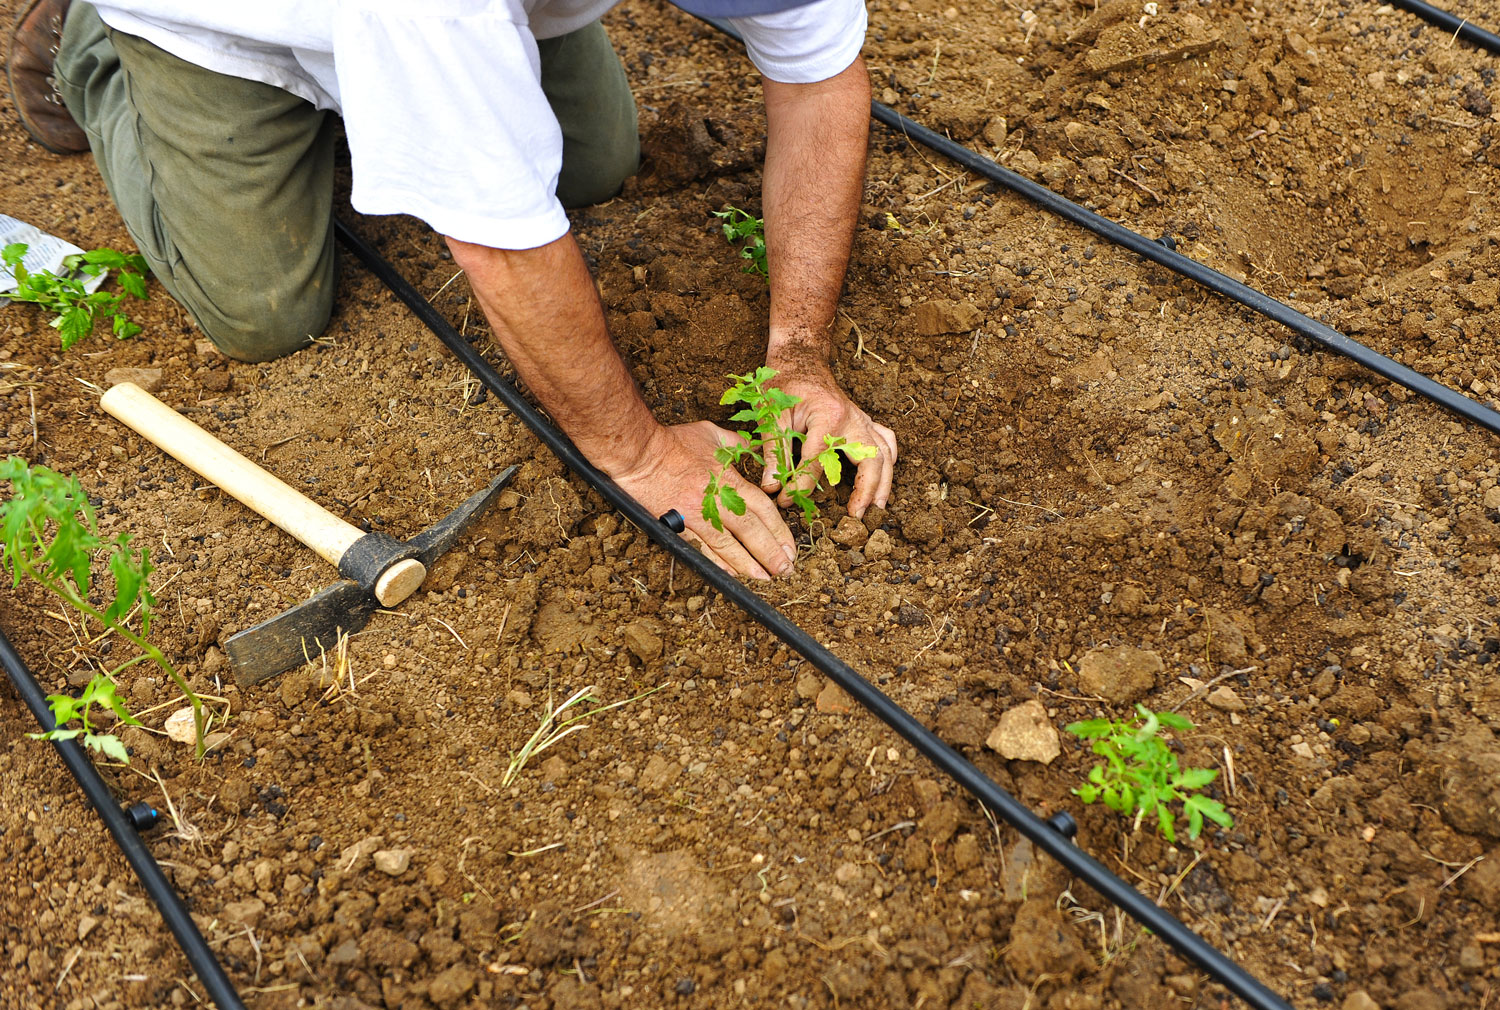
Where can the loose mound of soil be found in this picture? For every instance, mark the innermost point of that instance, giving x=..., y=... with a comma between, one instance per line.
x=1113, y=488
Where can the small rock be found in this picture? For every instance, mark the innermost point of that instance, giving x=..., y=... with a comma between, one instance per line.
x=247, y=912
x=878, y=546
x=834, y=700
x=808, y=685
x=149, y=379
x=909, y=616
x=1356, y=701
x=962, y=724
x=1482, y=883
x=86, y=926
x=180, y=726
x=940, y=823
x=1360, y=1000
x=1025, y=733
x=1477, y=102
x=929, y=793
x=1121, y=675
x=1303, y=750
x=643, y=641
x=995, y=131
x=451, y=985
x=393, y=861
x=1492, y=498
x=658, y=774
x=966, y=852
x=554, y=769
x=518, y=698
x=216, y=382
x=352, y=858
x=943, y=316
x=205, y=348
x=345, y=953
x=1225, y=700
x=850, y=532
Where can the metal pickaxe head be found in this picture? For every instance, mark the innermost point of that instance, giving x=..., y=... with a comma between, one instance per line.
x=378, y=570
x=299, y=634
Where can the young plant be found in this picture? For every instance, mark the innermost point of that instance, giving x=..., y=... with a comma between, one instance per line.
x=742, y=226
x=48, y=534
x=76, y=309
x=1140, y=774
x=765, y=406
x=66, y=708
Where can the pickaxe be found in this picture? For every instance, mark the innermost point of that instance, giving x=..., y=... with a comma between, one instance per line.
x=378, y=570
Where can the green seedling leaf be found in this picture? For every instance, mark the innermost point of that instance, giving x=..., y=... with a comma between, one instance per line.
x=732, y=500
x=1196, y=778
x=1140, y=775
x=711, y=508
x=75, y=309
x=742, y=227
x=1173, y=721
x=109, y=746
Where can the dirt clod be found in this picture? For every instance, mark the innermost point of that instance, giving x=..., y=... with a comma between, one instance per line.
x=1120, y=675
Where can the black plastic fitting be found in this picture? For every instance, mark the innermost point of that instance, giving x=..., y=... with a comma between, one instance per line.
x=143, y=816
x=1063, y=823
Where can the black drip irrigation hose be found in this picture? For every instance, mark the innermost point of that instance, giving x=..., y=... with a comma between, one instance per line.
x=1451, y=23
x=1050, y=837
x=122, y=825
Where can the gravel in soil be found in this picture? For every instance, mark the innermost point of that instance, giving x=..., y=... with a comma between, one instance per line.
x=1113, y=488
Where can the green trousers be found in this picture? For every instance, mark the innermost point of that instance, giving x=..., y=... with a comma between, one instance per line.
x=226, y=185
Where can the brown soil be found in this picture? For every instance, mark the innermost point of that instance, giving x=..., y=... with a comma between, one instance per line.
x=1093, y=455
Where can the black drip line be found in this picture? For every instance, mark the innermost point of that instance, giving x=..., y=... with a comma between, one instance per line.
x=1049, y=837
x=124, y=826
x=1460, y=27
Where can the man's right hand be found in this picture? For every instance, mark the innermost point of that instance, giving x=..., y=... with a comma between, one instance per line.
x=673, y=474
x=544, y=308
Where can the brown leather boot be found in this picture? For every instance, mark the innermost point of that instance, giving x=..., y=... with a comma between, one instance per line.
x=33, y=51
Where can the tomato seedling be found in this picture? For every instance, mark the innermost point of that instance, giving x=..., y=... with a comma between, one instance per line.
x=66, y=708
x=48, y=534
x=1141, y=776
x=766, y=405
x=75, y=307
x=742, y=226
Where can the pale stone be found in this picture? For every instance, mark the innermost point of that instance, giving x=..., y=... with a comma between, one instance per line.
x=1226, y=700
x=393, y=861
x=834, y=700
x=180, y=726
x=149, y=379
x=1025, y=733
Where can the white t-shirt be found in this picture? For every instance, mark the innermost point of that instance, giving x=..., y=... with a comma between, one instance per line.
x=442, y=99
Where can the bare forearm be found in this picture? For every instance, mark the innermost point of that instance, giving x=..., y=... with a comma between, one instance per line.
x=545, y=311
x=814, y=181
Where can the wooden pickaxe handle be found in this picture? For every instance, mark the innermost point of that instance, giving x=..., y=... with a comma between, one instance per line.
x=328, y=535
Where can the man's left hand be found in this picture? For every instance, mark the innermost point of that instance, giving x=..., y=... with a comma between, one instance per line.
x=825, y=410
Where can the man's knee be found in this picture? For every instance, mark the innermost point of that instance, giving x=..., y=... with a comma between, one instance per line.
x=262, y=332
x=603, y=172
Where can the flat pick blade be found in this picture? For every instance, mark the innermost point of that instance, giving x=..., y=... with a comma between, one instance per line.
x=300, y=634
